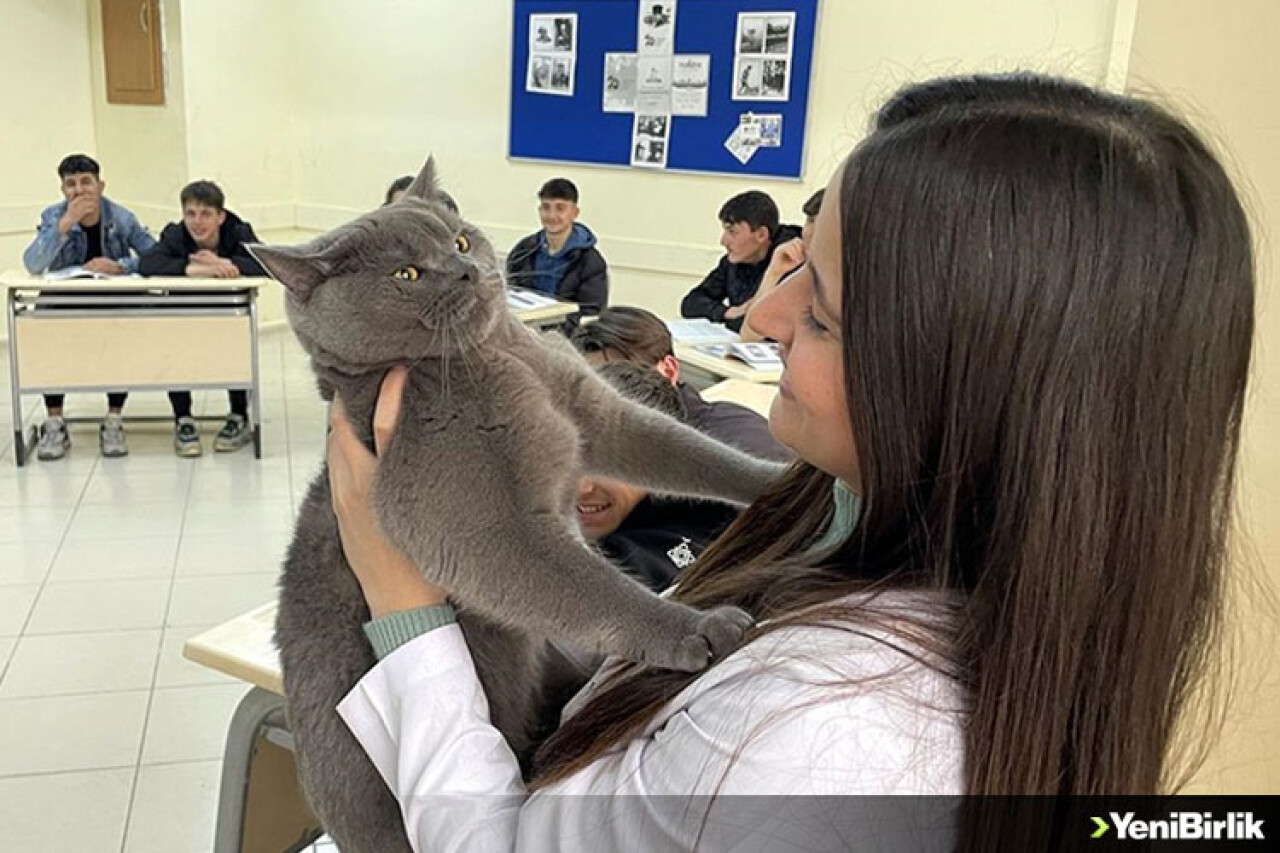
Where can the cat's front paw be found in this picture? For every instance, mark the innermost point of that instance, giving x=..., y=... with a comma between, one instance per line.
x=716, y=633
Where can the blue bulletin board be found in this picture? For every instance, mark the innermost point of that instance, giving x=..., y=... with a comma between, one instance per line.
x=560, y=116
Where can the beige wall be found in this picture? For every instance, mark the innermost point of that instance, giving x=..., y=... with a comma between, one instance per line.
x=143, y=149
x=46, y=111
x=370, y=106
x=1218, y=65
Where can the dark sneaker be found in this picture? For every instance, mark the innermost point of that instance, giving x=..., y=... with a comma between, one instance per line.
x=233, y=435
x=186, y=438
x=54, y=439
x=111, y=437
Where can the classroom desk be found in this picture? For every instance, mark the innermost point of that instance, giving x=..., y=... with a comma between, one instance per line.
x=261, y=808
x=131, y=334
x=719, y=368
x=756, y=396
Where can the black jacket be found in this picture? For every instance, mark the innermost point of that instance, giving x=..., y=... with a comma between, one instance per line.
x=663, y=535
x=736, y=426
x=171, y=255
x=734, y=282
x=585, y=280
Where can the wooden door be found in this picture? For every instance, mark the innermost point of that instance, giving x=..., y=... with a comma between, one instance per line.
x=132, y=47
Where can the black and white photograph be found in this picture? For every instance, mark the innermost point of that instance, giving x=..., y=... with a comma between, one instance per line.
x=550, y=74
x=649, y=141
x=747, y=79
x=564, y=34
x=539, y=78
x=652, y=125
x=773, y=80
x=653, y=74
x=656, y=31
x=751, y=34
x=690, y=82
x=777, y=34
x=553, y=33
x=620, y=82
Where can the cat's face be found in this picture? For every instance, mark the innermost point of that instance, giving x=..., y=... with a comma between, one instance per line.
x=406, y=282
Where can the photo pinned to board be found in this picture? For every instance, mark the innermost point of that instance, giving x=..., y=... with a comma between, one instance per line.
x=656, y=33
x=769, y=33
x=653, y=74
x=553, y=33
x=690, y=84
x=620, y=87
x=550, y=75
x=759, y=79
x=553, y=52
x=762, y=59
x=649, y=141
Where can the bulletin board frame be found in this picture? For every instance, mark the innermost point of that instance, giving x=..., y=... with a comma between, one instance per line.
x=572, y=126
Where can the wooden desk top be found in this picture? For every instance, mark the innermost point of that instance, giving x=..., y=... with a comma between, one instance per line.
x=756, y=396
x=726, y=368
x=19, y=280
x=242, y=648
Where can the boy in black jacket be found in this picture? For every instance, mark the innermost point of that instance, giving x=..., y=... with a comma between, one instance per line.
x=750, y=235
x=209, y=242
x=561, y=259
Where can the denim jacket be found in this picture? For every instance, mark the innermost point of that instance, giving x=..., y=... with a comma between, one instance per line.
x=121, y=231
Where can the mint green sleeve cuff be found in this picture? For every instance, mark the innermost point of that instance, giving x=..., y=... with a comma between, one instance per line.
x=390, y=632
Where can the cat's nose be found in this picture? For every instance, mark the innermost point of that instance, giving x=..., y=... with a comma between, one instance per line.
x=467, y=275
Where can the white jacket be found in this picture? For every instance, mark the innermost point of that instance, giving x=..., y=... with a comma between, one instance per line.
x=801, y=711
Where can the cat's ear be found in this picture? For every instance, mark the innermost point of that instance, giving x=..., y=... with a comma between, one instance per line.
x=424, y=186
x=300, y=268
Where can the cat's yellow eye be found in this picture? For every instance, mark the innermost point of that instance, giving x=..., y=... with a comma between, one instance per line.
x=407, y=273
x=463, y=243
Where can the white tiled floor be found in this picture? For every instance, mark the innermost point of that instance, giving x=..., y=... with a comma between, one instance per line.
x=109, y=740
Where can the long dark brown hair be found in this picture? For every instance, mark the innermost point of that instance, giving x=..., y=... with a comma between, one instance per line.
x=1048, y=299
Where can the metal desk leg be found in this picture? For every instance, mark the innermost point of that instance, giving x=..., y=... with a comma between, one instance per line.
x=19, y=448
x=256, y=409
x=260, y=808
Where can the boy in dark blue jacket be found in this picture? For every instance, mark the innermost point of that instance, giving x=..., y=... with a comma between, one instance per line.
x=561, y=260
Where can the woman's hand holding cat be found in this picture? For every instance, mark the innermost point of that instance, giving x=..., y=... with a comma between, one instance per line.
x=389, y=581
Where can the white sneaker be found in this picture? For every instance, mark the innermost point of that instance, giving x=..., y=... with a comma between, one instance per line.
x=186, y=438
x=111, y=437
x=54, y=439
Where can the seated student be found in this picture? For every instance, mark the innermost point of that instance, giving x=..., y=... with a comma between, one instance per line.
x=209, y=242
x=750, y=237
x=562, y=258
x=633, y=334
x=401, y=185
x=85, y=229
x=786, y=260
x=651, y=537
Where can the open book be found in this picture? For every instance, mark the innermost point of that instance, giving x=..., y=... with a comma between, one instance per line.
x=67, y=273
x=760, y=356
x=524, y=300
x=700, y=331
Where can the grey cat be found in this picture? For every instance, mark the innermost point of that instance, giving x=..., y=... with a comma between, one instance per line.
x=477, y=488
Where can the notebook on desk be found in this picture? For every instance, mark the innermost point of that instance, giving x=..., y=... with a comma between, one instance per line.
x=68, y=273
x=525, y=300
x=758, y=356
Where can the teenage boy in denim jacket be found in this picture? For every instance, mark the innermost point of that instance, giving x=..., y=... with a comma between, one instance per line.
x=85, y=229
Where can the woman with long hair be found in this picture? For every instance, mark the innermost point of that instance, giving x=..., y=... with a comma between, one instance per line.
x=1016, y=360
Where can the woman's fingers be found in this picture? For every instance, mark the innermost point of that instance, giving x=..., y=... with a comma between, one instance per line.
x=387, y=414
